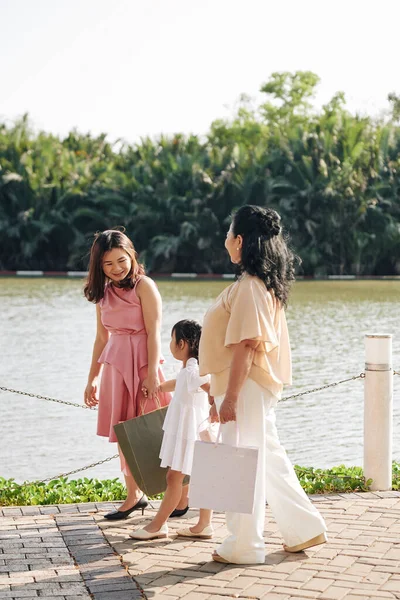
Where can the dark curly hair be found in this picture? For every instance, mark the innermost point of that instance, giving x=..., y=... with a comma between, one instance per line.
x=189, y=331
x=96, y=280
x=265, y=252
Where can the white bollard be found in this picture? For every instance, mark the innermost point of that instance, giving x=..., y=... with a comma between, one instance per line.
x=378, y=410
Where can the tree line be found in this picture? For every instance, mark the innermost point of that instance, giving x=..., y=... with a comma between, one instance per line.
x=332, y=175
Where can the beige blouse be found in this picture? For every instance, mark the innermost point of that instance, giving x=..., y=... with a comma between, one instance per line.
x=246, y=310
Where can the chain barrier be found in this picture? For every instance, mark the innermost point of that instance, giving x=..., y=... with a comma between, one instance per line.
x=298, y=395
x=324, y=387
x=77, y=405
x=318, y=389
x=100, y=462
x=4, y=389
x=299, y=470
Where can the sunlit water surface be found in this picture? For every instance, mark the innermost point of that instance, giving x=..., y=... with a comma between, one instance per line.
x=47, y=332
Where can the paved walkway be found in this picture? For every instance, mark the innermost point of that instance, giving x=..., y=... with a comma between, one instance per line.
x=69, y=552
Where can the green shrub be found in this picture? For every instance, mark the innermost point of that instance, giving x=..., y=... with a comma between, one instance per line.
x=339, y=479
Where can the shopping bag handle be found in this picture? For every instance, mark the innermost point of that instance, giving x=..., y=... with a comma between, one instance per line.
x=205, y=420
x=144, y=404
x=217, y=441
x=220, y=433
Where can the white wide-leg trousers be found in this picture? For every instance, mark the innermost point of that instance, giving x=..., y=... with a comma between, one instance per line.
x=297, y=518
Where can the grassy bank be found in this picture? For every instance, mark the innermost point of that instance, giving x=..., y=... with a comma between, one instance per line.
x=63, y=491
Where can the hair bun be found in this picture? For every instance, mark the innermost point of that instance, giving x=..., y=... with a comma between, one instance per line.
x=271, y=223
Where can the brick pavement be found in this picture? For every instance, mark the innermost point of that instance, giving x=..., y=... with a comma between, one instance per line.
x=70, y=552
x=59, y=553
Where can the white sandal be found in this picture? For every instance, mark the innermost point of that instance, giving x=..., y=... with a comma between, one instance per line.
x=142, y=534
x=215, y=556
x=315, y=541
x=206, y=534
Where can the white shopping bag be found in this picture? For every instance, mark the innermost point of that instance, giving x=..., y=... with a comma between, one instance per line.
x=223, y=477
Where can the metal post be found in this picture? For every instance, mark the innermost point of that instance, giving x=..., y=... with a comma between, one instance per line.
x=378, y=410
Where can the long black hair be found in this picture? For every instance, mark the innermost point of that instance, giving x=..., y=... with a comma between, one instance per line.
x=265, y=252
x=189, y=331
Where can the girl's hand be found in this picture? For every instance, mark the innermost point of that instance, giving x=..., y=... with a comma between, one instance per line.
x=151, y=384
x=160, y=389
x=90, y=397
x=227, y=412
x=214, y=418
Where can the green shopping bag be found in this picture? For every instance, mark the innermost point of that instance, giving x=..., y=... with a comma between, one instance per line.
x=140, y=441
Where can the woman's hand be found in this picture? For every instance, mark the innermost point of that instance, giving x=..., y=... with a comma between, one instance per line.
x=151, y=384
x=90, y=397
x=214, y=418
x=227, y=412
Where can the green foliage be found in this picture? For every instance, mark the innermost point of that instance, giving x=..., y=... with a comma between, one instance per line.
x=332, y=175
x=289, y=93
x=335, y=480
x=62, y=491
x=396, y=476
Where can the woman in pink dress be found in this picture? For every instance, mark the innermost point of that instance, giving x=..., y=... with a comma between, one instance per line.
x=127, y=345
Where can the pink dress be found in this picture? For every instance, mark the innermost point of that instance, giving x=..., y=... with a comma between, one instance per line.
x=125, y=362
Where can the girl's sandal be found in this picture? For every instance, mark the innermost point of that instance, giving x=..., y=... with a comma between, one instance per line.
x=205, y=534
x=219, y=558
x=315, y=541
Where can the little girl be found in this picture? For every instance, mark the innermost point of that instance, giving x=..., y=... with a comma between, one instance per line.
x=187, y=410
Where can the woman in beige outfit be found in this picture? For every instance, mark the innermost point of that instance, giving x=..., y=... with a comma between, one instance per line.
x=245, y=347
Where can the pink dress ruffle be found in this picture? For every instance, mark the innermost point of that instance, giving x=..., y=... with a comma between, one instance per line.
x=125, y=362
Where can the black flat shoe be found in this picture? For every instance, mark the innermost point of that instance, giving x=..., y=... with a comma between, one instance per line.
x=118, y=515
x=178, y=513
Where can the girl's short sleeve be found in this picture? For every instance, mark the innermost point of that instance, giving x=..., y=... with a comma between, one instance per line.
x=251, y=316
x=194, y=381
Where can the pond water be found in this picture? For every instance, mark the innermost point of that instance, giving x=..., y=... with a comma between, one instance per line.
x=47, y=333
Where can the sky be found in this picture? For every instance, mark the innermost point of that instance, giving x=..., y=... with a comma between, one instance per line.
x=136, y=68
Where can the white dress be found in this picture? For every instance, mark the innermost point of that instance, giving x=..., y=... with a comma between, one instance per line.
x=187, y=410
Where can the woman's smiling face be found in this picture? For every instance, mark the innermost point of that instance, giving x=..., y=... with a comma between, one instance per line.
x=116, y=264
